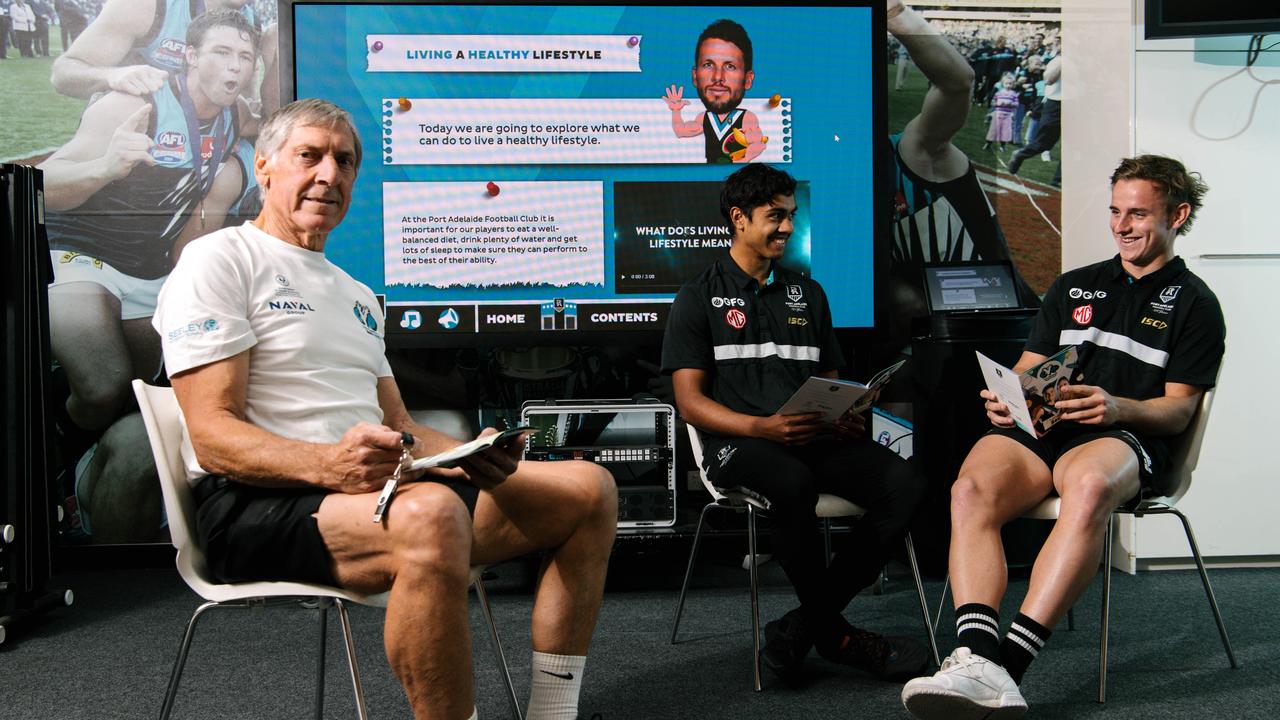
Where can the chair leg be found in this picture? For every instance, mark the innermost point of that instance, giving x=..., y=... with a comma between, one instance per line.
x=361, y=712
x=924, y=604
x=688, y=571
x=483, y=597
x=1208, y=589
x=755, y=596
x=178, y=664
x=826, y=539
x=323, y=610
x=942, y=602
x=1106, y=610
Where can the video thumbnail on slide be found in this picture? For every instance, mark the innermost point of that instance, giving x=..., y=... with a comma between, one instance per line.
x=533, y=168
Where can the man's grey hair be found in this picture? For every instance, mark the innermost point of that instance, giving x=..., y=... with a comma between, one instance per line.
x=310, y=112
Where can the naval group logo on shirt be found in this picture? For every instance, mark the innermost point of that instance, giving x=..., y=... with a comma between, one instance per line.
x=366, y=318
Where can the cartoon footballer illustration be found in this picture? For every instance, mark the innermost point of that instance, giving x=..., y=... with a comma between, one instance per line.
x=721, y=74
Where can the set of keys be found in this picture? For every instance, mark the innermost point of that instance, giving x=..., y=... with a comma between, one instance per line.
x=389, y=490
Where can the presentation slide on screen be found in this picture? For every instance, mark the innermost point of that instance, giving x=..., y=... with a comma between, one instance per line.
x=532, y=168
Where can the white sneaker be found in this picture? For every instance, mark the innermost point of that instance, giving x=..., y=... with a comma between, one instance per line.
x=1045, y=156
x=967, y=686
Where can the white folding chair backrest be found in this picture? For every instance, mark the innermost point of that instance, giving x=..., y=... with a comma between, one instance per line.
x=163, y=418
x=165, y=429
x=1184, y=450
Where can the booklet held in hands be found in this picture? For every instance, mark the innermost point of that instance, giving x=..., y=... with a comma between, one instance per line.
x=1031, y=395
x=446, y=459
x=834, y=398
x=449, y=458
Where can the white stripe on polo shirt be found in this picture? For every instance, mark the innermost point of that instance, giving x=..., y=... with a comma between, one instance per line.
x=764, y=350
x=1115, y=341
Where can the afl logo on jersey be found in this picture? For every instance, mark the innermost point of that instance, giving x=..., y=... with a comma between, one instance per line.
x=170, y=147
x=736, y=318
x=1083, y=314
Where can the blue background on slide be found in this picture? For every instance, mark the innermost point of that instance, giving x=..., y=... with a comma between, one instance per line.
x=816, y=56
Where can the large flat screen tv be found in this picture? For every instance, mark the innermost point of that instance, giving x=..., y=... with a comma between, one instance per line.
x=1196, y=18
x=523, y=178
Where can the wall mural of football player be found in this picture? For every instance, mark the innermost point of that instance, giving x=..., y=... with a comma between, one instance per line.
x=722, y=74
x=143, y=175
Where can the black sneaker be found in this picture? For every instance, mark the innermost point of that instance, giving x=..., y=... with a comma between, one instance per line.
x=887, y=658
x=786, y=643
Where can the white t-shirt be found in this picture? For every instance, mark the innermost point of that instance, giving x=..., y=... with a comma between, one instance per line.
x=316, y=333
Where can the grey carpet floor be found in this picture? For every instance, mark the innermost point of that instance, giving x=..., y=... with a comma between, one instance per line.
x=110, y=654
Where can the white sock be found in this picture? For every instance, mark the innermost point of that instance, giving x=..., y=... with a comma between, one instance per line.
x=557, y=681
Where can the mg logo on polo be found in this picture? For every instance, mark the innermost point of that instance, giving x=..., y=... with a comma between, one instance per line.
x=736, y=318
x=1083, y=314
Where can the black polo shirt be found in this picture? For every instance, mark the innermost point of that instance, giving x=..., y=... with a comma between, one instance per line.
x=758, y=343
x=1134, y=334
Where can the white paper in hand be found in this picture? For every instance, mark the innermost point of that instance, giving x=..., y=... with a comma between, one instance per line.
x=450, y=457
x=1007, y=386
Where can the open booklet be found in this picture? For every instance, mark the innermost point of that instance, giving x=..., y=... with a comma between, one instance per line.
x=450, y=457
x=447, y=459
x=834, y=398
x=1031, y=394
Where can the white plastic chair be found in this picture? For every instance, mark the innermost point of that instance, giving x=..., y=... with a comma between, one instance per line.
x=165, y=427
x=829, y=506
x=1184, y=454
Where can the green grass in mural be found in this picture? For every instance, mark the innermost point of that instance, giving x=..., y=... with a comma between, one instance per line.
x=905, y=103
x=34, y=118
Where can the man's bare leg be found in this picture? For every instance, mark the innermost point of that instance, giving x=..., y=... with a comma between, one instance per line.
x=571, y=509
x=999, y=481
x=1092, y=480
x=422, y=554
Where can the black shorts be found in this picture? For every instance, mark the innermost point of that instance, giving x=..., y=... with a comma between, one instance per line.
x=260, y=533
x=1153, y=454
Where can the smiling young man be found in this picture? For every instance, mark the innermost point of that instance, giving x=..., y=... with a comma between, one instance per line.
x=741, y=338
x=722, y=75
x=295, y=424
x=1151, y=337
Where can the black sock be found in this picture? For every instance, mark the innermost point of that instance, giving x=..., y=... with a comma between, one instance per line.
x=978, y=628
x=1025, y=640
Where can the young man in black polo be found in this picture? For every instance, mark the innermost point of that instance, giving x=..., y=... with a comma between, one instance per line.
x=742, y=337
x=1151, y=338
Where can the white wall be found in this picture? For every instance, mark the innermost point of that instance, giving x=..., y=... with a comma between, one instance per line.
x=1126, y=95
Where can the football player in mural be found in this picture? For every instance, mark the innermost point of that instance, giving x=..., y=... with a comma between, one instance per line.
x=940, y=211
x=143, y=175
x=132, y=46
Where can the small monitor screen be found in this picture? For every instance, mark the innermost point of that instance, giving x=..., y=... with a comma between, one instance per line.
x=596, y=429
x=961, y=287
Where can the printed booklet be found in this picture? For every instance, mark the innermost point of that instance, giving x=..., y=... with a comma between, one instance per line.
x=449, y=458
x=1031, y=395
x=834, y=398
